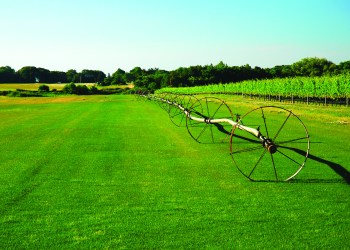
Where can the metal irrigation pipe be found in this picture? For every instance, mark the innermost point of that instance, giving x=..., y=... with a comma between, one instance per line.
x=291, y=150
x=267, y=143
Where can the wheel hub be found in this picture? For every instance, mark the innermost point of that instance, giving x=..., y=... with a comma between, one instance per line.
x=270, y=146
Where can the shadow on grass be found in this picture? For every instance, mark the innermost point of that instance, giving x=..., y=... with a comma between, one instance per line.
x=318, y=181
x=337, y=168
x=340, y=170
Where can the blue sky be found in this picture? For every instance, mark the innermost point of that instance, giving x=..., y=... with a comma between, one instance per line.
x=110, y=34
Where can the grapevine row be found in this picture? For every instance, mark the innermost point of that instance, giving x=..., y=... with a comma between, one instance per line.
x=333, y=87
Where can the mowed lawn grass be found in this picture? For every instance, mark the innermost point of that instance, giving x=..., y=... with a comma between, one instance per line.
x=57, y=86
x=112, y=172
x=31, y=86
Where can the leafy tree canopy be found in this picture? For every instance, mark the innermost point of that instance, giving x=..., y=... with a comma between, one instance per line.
x=312, y=67
x=155, y=78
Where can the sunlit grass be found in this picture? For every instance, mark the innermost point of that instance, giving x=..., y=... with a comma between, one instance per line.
x=30, y=86
x=110, y=172
x=57, y=86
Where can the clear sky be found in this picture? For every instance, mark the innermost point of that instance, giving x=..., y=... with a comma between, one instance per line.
x=168, y=34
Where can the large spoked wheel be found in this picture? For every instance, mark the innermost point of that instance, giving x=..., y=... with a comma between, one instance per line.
x=201, y=123
x=278, y=158
x=181, y=103
x=164, y=101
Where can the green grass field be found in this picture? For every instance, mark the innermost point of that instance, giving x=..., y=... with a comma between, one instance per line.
x=31, y=86
x=110, y=172
x=57, y=86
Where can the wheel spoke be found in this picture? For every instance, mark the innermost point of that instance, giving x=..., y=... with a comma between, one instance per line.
x=181, y=99
x=182, y=118
x=274, y=166
x=175, y=114
x=203, y=111
x=211, y=117
x=257, y=163
x=199, y=114
x=250, y=145
x=212, y=135
x=288, y=157
x=284, y=123
x=293, y=140
x=188, y=103
x=264, y=118
x=206, y=103
x=198, y=105
x=201, y=133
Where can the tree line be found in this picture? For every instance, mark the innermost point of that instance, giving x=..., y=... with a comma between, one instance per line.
x=155, y=78
x=31, y=74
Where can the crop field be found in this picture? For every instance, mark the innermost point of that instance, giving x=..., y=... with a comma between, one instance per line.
x=31, y=86
x=111, y=172
x=331, y=87
x=57, y=86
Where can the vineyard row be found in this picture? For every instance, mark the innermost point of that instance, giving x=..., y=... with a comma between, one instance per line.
x=306, y=88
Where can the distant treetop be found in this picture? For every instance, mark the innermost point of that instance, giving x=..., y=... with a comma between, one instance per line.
x=191, y=76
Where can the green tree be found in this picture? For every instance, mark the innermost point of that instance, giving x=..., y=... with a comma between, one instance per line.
x=118, y=77
x=7, y=74
x=58, y=76
x=42, y=75
x=96, y=76
x=28, y=74
x=107, y=81
x=220, y=72
x=344, y=67
x=312, y=67
x=134, y=74
x=72, y=76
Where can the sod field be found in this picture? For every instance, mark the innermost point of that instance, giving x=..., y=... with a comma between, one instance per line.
x=57, y=86
x=111, y=172
x=33, y=86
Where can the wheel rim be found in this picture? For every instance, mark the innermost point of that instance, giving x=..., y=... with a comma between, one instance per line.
x=164, y=105
x=290, y=139
x=177, y=115
x=209, y=108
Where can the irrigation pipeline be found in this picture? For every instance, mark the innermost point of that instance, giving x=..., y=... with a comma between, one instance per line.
x=285, y=137
x=267, y=143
